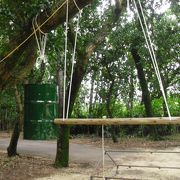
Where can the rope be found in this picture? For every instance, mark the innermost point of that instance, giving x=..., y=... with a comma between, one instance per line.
x=147, y=43
x=38, y=26
x=76, y=5
x=152, y=53
x=65, y=59
x=73, y=61
x=150, y=47
x=128, y=6
x=36, y=35
x=155, y=60
x=17, y=47
x=41, y=42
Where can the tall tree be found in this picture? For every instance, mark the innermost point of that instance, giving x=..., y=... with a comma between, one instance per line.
x=12, y=148
x=143, y=83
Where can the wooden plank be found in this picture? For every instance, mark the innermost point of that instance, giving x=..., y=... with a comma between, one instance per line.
x=119, y=121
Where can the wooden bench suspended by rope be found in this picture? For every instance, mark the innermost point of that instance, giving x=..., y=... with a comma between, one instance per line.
x=119, y=121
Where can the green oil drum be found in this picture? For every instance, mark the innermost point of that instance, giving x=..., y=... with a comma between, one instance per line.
x=40, y=109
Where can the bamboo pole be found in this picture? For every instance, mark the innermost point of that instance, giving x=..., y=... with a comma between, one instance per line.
x=120, y=121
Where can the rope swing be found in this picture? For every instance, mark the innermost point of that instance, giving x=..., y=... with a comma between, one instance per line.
x=149, y=44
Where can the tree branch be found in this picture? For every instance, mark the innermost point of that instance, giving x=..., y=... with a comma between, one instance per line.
x=10, y=65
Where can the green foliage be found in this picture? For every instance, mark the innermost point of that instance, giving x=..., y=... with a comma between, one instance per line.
x=174, y=105
x=138, y=110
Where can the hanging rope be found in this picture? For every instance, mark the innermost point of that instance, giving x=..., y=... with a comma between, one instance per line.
x=147, y=43
x=128, y=6
x=77, y=5
x=73, y=62
x=152, y=53
x=155, y=61
x=65, y=60
x=41, y=40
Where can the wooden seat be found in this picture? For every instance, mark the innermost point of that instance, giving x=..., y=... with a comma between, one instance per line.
x=119, y=121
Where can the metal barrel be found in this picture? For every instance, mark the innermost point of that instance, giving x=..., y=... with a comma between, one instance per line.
x=40, y=109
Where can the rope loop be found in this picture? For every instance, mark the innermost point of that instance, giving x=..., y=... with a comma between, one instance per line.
x=41, y=40
x=38, y=27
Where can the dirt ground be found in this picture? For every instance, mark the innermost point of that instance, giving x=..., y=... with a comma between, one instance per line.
x=34, y=167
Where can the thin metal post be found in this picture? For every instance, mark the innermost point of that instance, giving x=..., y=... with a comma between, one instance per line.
x=135, y=151
x=106, y=152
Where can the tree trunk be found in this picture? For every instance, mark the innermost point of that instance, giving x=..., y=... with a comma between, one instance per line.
x=131, y=95
x=12, y=148
x=114, y=129
x=62, y=152
x=91, y=96
x=143, y=83
x=91, y=100
x=145, y=94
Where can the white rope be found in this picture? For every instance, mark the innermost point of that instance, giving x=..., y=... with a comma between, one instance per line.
x=73, y=61
x=151, y=49
x=155, y=60
x=36, y=35
x=128, y=6
x=65, y=60
x=44, y=47
x=41, y=40
x=152, y=53
x=147, y=43
x=76, y=5
x=103, y=151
